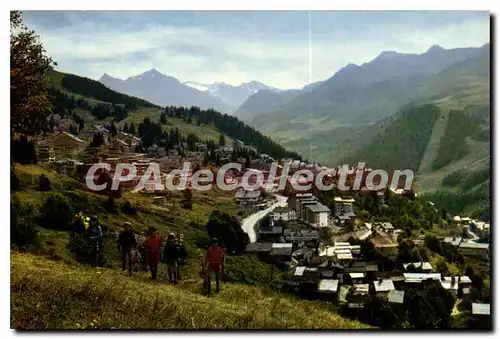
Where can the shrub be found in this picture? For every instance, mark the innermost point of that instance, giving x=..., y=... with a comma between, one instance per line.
x=56, y=213
x=44, y=183
x=110, y=205
x=15, y=184
x=128, y=208
x=23, y=232
x=228, y=230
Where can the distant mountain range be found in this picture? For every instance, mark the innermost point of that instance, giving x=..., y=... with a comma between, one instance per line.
x=164, y=90
x=233, y=96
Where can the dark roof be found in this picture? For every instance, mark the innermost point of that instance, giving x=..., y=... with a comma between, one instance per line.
x=259, y=247
x=317, y=208
x=271, y=230
x=281, y=249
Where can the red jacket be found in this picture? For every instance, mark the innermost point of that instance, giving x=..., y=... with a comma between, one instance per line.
x=153, y=243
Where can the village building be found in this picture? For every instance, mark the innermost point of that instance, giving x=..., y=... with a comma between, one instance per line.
x=344, y=207
x=283, y=213
x=131, y=140
x=473, y=249
x=88, y=132
x=317, y=215
x=396, y=297
x=247, y=197
x=417, y=278
x=385, y=227
x=329, y=288
x=481, y=309
x=67, y=145
x=424, y=267
x=382, y=287
x=454, y=241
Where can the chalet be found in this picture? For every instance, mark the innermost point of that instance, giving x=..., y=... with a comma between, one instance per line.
x=67, y=144
x=396, y=233
x=238, y=144
x=131, y=140
x=247, y=197
x=45, y=151
x=344, y=206
x=358, y=296
x=382, y=287
x=417, y=278
x=117, y=147
x=329, y=288
x=259, y=247
x=424, y=267
x=173, y=152
x=385, y=227
x=480, y=309
x=473, y=249
x=453, y=283
x=283, y=213
x=396, y=297
x=317, y=215
x=301, y=236
x=87, y=133
x=273, y=233
x=281, y=251
x=454, y=241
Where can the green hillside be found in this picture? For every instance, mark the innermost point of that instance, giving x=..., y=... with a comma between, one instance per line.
x=402, y=144
x=73, y=295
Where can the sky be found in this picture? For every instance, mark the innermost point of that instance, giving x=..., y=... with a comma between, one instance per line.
x=284, y=49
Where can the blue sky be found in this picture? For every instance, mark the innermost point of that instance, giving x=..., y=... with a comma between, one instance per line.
x=285, y=49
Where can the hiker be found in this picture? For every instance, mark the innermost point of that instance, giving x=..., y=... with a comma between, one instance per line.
x=95, y=236
x=182, y=254
x=142, y=251
x=126, y=244
x=152, y=250
x=213, y=263
x=170, y=257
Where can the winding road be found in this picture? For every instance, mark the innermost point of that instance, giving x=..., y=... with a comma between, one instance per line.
x=248, y=224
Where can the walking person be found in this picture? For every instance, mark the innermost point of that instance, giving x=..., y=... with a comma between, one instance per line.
x=182, y=254
x=153, y=250
x=95, y=236
x=126, y=244
x=170, y=257
x=213, y=263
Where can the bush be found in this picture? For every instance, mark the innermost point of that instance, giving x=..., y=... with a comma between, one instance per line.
x=110, y=205
x=128, y=208
x=15, y=184
x=23, y=232
x=56, y=213
x=228, y=230
x=44, y=183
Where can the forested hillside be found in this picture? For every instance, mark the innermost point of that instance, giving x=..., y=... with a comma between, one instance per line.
x=402, y=144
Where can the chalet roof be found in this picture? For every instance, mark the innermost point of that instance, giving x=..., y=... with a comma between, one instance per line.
x=446, y=282
x=396, y=296
x=383, y=285
x=259, y=247
x=357, y=275
x=453, y=241
x=72, y=136
x=480, y=309
x=344, y=256
x=279, y=249
x=425, y=265
x=318, y=208
x=281, y=209
x=339, y=199
x=419, y=277
x=386, y=225
x=473, y=245
x=328, y=285
x=271, y=230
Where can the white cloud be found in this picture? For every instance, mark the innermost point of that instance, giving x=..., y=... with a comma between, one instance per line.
x=92, y=49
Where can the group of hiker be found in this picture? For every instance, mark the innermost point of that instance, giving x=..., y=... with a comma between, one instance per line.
x=152, y=250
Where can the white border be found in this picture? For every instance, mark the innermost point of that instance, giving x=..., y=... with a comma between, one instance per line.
x=198, y=5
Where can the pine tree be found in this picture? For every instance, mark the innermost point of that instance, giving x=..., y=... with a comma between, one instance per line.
x=222, y=140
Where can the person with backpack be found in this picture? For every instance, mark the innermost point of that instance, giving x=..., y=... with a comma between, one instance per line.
x=126, y=244
x=152, y=246
x=170, y=257
x=214, y=259
x=95, y=237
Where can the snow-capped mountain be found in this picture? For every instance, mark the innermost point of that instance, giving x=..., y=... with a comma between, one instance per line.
x=234, y=96
x=164, y=90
